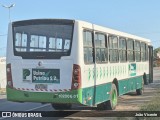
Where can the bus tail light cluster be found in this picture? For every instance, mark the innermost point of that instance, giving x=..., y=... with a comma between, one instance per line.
x=9, y=75
x=76, y=77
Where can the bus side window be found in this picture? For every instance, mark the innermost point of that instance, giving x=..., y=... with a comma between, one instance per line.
x=101, y=48
x=146, y=52
x=130, y=50
x=122, y=49
x=98, y=55
x=113, y=48
x=88, y=47
x=103, y=55
x=137, y=51
x=85, y=55
x=90, y=55
x=143, y=52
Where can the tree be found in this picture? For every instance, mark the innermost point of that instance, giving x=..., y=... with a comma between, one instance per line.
x=156, y=62
x=155, y=52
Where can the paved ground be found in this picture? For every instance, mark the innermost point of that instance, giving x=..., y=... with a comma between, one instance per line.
x=132, y=102
x=128, y=102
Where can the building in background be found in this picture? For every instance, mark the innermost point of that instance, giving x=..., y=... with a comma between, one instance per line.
x=158, y=54
x=2, y=72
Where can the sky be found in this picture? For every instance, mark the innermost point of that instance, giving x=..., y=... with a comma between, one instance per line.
x=138, y=17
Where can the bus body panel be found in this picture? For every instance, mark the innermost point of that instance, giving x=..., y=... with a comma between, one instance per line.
x=96, y=78
x=37, y=81
x=52, y=83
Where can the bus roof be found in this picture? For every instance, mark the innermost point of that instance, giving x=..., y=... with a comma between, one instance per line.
x=113, y=32
x=100, y=29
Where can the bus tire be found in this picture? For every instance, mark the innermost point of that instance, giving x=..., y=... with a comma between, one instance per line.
x=61, y=106
x=139, y=91
x=146, y=82
x=112, y=102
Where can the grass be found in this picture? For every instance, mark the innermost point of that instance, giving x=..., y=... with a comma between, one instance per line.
x=154, y=104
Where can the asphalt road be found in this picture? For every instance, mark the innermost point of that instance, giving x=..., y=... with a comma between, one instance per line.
x=128, y=102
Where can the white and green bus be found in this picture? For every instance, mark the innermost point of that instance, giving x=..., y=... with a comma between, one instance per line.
x=63, y=62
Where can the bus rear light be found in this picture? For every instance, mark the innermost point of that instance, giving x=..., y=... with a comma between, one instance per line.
x=76, y=77
x=76, y=85
x=8, y=69
x=76, y=71
x=9, y=75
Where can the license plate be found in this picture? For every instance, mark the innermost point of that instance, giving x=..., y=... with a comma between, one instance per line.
x=41, y=86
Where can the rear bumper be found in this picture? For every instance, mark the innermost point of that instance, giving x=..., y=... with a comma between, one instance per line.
x=74, y=96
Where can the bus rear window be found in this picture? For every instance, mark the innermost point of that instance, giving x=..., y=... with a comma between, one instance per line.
x=42, y=39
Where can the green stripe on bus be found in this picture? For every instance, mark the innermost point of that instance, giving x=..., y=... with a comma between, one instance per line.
x=101, y=93
x=88, y=96
x=74, y=96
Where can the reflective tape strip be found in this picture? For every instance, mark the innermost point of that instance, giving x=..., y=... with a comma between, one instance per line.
x=51, y=90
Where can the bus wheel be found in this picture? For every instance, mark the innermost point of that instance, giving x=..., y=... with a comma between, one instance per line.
x=146, y=82
x=61, y=106
x=140, y=90
x=112, y=103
